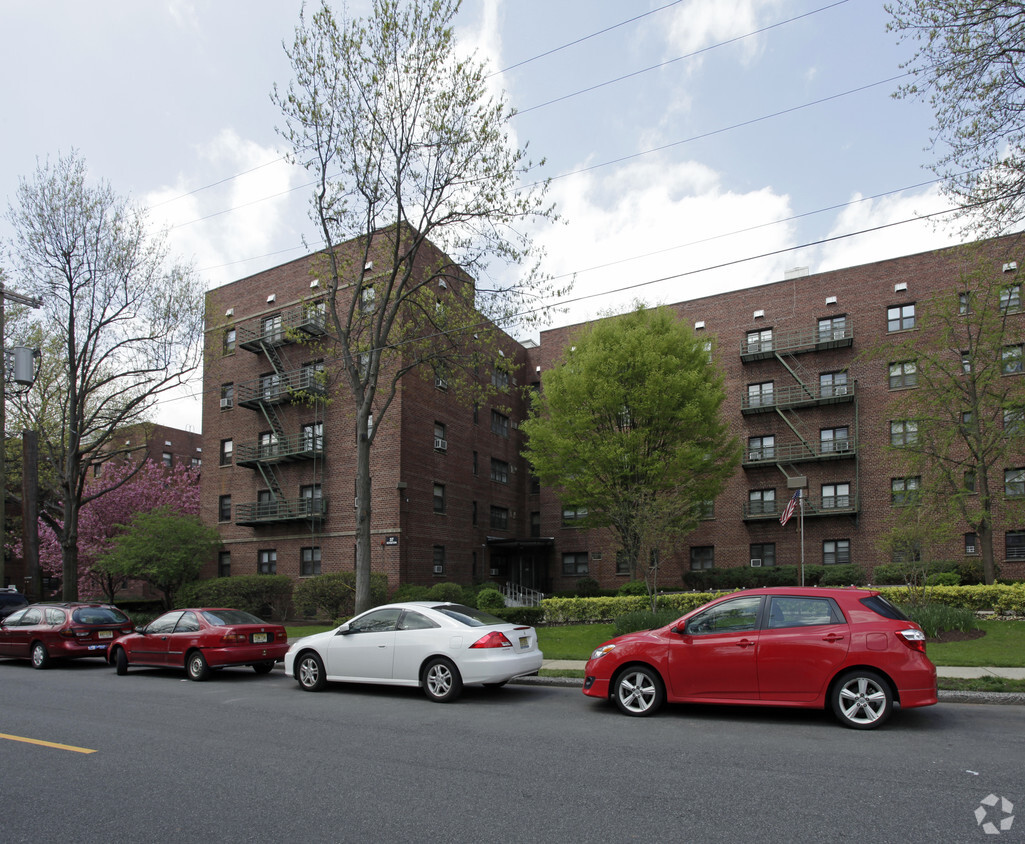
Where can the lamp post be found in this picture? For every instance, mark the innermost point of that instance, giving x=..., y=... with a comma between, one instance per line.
x=21, y=361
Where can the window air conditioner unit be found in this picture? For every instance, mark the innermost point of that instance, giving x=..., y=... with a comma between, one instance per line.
x=225, y=403
x=440, y=444
x=441, y=383
x=755, y=563
x=494, y=572
x=754, y=455
x=843, y=445
x=969, y=549
x=439, y=569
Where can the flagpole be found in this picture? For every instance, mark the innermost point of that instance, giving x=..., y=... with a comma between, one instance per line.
x=801, y=504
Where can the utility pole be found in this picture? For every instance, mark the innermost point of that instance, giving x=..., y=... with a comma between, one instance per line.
x=18, y=377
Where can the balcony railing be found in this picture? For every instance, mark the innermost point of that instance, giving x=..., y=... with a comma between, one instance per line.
x=280, y=389
x=800, y=452
x=797, y=341
x=302, y=318
x=796, y=395
x=281, y=510
x=299, y=447
x=815, y=506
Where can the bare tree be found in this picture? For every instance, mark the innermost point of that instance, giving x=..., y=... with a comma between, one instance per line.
x=417, y=193
x=124, y=323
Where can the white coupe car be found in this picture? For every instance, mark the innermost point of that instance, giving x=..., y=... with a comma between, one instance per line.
x=436, y=645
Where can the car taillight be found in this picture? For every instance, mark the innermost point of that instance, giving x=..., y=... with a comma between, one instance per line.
x=233, y=638
x=914, y=639
x=68, y=633
x=494, y=639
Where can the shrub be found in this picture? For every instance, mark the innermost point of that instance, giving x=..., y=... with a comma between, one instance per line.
x=936, y=618
x=944, y=578
x=490, y=599
x=588, y=587
x=446, y=592
x=633, y=587
x=643, y=620
x=849, y=575
x=265, y=595
x=742, y=577
x=520, y=615
x=334, y=594
x=410, y=592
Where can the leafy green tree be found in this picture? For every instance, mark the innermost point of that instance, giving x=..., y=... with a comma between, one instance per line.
x=629, y=427
x=967, y=65
x=960, y=426
x=417, y=192
x=163, y=548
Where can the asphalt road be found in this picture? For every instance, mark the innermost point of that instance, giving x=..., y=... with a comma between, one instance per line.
x=247, y=758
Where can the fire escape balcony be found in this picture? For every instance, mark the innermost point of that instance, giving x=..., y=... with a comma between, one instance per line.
x=257, y=513
x=797, y=341
x=815, y=506
x=281, y=389
x=302, y=319
x=800, y=452
x=286, y=450
x=796, y=395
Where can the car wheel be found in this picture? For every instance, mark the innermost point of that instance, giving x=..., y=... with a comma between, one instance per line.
x=309, y=672
x=264, y=667
x=441, y=680
x=639, y=691
x=40, y=657
x=121, y=662
x=196, y=667
x=861, y=699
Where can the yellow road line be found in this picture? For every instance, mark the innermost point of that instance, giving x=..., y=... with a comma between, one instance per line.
x=70, y=747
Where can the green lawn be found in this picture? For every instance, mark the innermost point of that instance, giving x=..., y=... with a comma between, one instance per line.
x=1002, y=646
x=572, y=641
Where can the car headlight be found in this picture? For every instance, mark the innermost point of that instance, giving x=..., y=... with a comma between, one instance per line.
x=604, y=649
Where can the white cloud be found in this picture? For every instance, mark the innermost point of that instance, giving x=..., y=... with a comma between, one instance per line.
x=702, y=23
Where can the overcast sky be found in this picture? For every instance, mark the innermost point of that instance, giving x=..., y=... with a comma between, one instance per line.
x=681, y=137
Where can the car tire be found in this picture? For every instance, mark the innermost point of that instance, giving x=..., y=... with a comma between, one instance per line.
x=40, y=656
x=638, y=690
x=196, y=667
x=861, y=699
x=309, y=672
x=120, y=662
x=264, y=667
x=441, y=680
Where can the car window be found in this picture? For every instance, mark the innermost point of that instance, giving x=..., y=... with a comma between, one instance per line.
x=221, y=618
x=14, y=619
x=376, y=621
x=415, y=621
x=738, y=615
x=468, y=615
x=878, y=604
x=188, y=623
x=99, y=615
x=164, y=624
x=31, y=616
x=792, y=611
x=55, y=616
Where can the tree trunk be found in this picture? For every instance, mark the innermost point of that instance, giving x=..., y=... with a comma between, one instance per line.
x=363, y=514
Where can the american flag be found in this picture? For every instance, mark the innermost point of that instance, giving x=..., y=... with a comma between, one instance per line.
x=788, y=511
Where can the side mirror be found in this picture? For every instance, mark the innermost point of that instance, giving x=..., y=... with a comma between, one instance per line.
x=141, y=630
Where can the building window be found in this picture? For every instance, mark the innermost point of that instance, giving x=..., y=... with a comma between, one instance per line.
x=702, y=557
x=270, y=386
x=313, y=437
x=836, y=496
x=1011, y=360
x=575, y=563
x=224, y=564
x=1014, y=545
x=440, y=442
x=964, y=303
x=312, y=498
x=267, y=444
x=761, y=501
x=473, y=514
x=265, y=503
x=1014, y=420
x=759, y=341
x=227, y=396
x=903, y=374
x=499, y=424
x=196, y=462
x=167, y=459
x=438, y=559
x=836, y=552
x=900, y=318
x=475, y=464
x=224, y=508
x=833, y=328
x=706, y=510
x=572, y=514
x=270, y=328
x=904, y=490
x=229, y=341
x=908, y=554
x=500, y=518
x=309, y=561
x=439, y=498
x=368, y=300
x=267, y=562
x=971, y=543
x=969, y=480
x=1014, y=483
x=760, y=395
x=499, y=378
x=476, y=413
x=761, y=448
x=1010, y=298
x=765, y=553
x=227, y=450
x=535, y=524
x=832, y=440
x=903, y=432
x=499, y=471
x=832, y=384
x=311, y=376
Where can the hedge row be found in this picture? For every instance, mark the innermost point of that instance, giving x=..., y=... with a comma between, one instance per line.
x=1000, y=598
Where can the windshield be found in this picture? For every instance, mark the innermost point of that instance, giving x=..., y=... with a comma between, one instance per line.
x=99, y=615
x=468, y=615
x=222, y=618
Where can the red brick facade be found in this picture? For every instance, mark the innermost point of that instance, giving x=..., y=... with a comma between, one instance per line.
x=819, y=324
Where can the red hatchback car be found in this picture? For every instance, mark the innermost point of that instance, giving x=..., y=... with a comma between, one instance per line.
x=847, y=649
x=43, y=632
x=199, y=640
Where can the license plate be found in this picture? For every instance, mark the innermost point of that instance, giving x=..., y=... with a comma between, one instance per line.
x=524, y=642
x=97, y=647
x=104, y=634
x=259, y=638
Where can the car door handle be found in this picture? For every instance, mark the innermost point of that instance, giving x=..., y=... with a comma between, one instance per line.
x=832, y=637
x=744, y=643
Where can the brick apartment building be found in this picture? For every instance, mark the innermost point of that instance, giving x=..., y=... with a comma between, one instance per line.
x=452, y=498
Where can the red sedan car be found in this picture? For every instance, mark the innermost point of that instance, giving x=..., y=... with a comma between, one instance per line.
x=847, y=649
x=199, y=640
x=43, y=632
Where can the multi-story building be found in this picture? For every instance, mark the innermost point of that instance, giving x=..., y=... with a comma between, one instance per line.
x=453, y=499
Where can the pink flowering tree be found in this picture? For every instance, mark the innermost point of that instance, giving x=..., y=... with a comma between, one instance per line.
x=104, y=518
